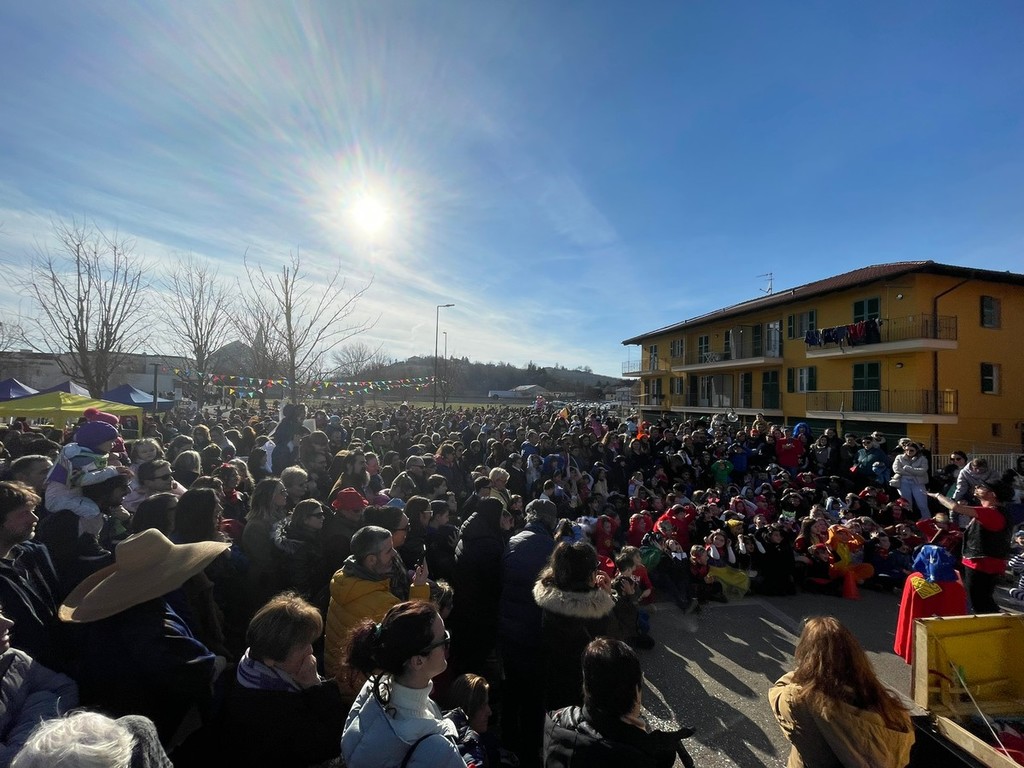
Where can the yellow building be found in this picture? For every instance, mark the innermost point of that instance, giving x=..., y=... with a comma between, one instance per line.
x=932, y=351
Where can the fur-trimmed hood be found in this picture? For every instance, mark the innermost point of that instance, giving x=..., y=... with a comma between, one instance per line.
x=593, y=604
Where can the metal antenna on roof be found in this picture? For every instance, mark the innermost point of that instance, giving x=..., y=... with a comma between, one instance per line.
x=767, y=290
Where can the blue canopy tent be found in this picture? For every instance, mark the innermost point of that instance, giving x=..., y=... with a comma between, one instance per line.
x=12, y=388
x=67, y=386
x=130, y=395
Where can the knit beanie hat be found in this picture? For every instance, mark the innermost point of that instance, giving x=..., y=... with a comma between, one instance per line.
x=348, y=499
x=92, y=433
x=95, y=414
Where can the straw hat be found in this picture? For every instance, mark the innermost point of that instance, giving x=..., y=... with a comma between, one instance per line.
x=146, y=566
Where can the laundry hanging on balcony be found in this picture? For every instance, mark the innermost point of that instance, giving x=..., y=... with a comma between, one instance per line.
x=854, y=334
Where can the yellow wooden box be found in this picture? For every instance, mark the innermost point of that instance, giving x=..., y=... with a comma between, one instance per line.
x=988, y=651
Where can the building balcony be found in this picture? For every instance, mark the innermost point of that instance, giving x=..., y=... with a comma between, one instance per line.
x=648, y=367
x=765, y=401
x=914, y=406
x=706, y=360
x=655, y=402
x=899, y=335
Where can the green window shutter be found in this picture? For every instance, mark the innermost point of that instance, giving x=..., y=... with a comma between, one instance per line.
x=812, y=379
x=812, y=321
x=789, y=326
x=790, y=379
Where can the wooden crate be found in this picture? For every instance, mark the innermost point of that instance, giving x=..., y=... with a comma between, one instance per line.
x=989, y=653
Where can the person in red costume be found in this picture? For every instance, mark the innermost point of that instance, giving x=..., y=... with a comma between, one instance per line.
x=788, y=451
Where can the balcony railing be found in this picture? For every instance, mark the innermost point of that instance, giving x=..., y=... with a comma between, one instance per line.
x=639, y=367
x=721, y=355
x=923, y=326
x=765, y=399
x=918, y=401
x=652, y=401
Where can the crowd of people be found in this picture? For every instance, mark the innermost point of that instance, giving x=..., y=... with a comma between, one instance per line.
x=399, y=586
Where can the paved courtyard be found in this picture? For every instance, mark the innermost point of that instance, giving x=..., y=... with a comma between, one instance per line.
x=712, y=671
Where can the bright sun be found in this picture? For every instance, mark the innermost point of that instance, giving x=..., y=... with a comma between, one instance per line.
x=369, y=215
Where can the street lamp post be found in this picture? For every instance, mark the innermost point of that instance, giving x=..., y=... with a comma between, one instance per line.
x=437, y=325
x=444, y=372
x=156, y=368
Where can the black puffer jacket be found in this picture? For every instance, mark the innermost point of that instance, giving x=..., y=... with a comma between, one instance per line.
x=569, y=622
x=477, y=585
x=302, y=558
x=520, y=616
x=576, y=738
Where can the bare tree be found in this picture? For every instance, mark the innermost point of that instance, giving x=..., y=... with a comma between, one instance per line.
x=359, y=359
x=452, y=373
x=89, y=298
x=308, y=318
x=197, y=308
x=254, y=325
x=12, y=331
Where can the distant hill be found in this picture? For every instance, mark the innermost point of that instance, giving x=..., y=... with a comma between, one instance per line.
x=477, y=379
x=468, y=378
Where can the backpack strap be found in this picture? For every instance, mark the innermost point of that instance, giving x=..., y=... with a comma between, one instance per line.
x=408, y=755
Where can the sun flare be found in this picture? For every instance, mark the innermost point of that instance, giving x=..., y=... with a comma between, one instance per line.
x=369, y=215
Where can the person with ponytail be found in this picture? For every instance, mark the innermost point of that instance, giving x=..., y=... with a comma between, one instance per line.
x=393, y=722
x=833, y=708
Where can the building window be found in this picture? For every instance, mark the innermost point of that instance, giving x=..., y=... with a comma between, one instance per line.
x=770, y=389
x=746, y=390
x=802, y=379
x=866, y=309
x=652, y=357
x=990, y=378
x=703, y=349
x=800, y=324
x=677, y=386
x=676, y=348
x=989, y=312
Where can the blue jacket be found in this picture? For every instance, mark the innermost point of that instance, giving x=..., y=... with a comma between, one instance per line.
x=519, y=620
x=29, y=694
x=373, y=739
x=30, y=594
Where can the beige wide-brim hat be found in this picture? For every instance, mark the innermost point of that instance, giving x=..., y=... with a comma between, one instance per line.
x=146, y=566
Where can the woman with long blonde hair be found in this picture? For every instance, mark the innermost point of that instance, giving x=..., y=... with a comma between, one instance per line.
x=833, y=708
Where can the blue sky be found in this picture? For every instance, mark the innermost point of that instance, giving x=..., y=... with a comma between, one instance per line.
x=569, y=174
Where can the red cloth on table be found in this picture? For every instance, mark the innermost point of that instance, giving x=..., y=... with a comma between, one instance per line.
x=950, y=600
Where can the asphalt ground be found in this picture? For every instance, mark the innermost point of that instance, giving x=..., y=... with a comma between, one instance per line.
x=712, y=670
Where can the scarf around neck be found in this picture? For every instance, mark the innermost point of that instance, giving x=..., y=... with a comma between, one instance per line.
x=258, y=676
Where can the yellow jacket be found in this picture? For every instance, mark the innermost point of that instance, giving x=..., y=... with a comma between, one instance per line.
x=352, y=600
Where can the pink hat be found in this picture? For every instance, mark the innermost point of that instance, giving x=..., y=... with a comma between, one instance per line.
x=95, y=414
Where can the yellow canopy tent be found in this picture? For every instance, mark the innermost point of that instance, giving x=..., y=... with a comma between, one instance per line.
x=59, y=407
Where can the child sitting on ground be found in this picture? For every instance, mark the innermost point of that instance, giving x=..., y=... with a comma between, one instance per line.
x=703, y=585
x=643, y=578
x=637, y=623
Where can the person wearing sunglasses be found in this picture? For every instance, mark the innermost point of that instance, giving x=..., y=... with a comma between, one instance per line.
x=300, y=547
x=393, y=720
x=151, y=477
